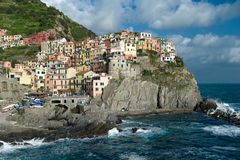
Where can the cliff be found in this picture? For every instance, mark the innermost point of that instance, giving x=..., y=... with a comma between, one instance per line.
x=162, y=87
x=11, y=90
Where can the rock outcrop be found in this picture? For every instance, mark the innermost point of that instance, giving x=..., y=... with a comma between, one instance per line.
x=52, y=123
x=218, y=111
x=130, y=95
x=166, y=88
x=11, y=90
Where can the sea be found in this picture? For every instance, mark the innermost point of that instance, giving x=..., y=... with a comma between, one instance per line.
x=170, y=136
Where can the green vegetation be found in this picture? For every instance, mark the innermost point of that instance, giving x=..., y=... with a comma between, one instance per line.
x=153, y=56
x=179, y=63
x=141, y=53
x=147, y=72
x=12, y=54
x=27, y=17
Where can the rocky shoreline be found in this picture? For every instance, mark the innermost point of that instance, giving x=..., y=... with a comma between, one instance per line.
x=218, y=111
x=10, y=132
x=167, y=91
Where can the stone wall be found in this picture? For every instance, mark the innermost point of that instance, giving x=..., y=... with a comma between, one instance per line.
x=10, y=90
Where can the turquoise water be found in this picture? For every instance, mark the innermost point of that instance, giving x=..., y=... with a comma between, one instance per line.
x=179, y=136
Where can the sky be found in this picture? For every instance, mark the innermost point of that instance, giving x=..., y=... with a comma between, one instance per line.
x=206, y=32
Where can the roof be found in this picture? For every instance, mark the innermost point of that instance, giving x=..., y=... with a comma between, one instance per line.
x=82, y=72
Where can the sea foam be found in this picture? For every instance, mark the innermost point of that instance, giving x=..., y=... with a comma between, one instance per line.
x=10, y=147
x=226, y=108
x=223, y=130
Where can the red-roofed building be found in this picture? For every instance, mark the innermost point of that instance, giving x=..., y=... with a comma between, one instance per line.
x=2, y=32
x=38, y=38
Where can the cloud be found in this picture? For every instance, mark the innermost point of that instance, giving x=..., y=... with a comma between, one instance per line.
x=210, y=57
x=208, y=48
x=184, y=13
x=101, y=16
x=112, y=15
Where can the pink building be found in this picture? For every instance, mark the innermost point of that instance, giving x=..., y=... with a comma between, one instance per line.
x=38, y=38
x=96, y=84
x=48, y=83
x=2, y=32
x=7, y=64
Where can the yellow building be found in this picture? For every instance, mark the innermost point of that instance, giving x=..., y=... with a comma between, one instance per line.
x=149, y=44
x=69, y=48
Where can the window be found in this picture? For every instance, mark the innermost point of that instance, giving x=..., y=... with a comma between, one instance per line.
x=96, y=89
x=56, y=101
x=65, y=101
x=96, y=84
x=102, y=84
x=72, y=100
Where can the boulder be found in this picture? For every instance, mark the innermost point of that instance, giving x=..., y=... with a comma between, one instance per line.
x=1, y=144
x=205, y=106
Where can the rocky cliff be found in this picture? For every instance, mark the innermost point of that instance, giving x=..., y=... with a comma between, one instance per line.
x=11, y=90
x=162, y=87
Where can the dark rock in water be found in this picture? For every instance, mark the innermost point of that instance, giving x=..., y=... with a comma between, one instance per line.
x=205, y=105
x=210, y=108
x=134, y=130
x=227, y=115
x=1, y=144
x=120, y=130
x=19, y=143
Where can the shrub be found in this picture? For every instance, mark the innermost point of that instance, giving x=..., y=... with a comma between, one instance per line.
x=147, y=72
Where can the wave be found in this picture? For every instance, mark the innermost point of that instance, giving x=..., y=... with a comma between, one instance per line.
x=225, y=148
x=223, y=130
x=129, y=131
x=10, y=147
x=132, y=122
x=132, y=156
x=226, y=108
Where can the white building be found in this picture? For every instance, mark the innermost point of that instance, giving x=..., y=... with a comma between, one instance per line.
x=130, y=49
x=118, y=46
x=99, y=83
x=170, y=47
x=144, y=35
x=40, y=73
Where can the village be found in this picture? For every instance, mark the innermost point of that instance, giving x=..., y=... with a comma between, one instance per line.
x=65, y=68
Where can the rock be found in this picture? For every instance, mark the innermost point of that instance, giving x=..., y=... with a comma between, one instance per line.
x=11, y=90
x=210, y=107
x=134, y=130
x=175, y=90
x=23, y=143
x=205, y=106
x=1, y=144
x=112, y=118
x=131, y=94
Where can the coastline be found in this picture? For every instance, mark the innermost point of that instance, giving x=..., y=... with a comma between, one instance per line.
x=10, y=132
x=154, y=112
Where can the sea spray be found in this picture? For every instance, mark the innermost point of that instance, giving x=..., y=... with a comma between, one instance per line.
x=10, y=147
x=223, y=130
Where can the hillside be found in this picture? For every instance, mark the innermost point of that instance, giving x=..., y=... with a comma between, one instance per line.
x=27, y=17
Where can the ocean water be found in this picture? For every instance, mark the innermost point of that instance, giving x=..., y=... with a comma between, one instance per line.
x=174, y=137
